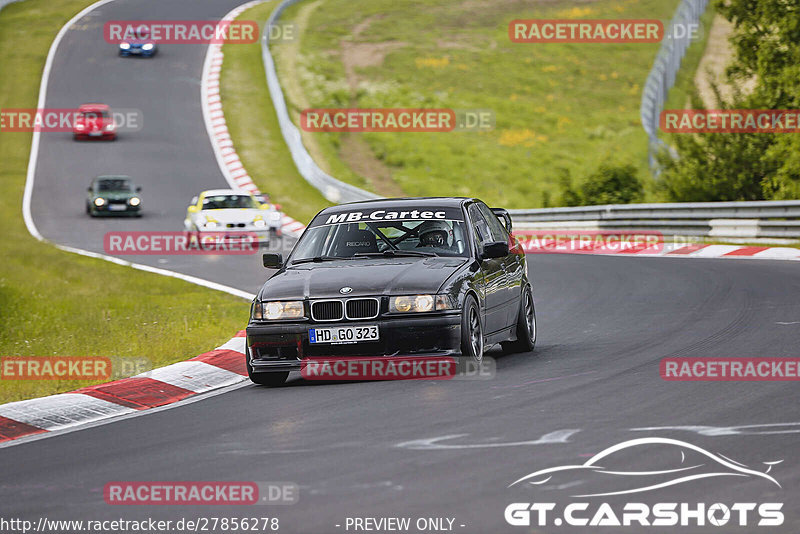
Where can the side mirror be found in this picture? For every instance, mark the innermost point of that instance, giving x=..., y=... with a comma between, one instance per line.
x=193, y=209
x=89, y=189
x=272, y=261
x=504, y=217
x=139, y=189
x=497, y=249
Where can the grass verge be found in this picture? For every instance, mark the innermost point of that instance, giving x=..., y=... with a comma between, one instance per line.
x=560, y=108
x=56, y=303
x=254, y=130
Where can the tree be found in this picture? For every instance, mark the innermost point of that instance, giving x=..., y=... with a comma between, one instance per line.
x=609, y=184
x=721, y=166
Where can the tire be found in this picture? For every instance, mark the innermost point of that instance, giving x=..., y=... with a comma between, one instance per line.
x=472, y=342
x=264, y=379
x=526, y=326
x=269, y=379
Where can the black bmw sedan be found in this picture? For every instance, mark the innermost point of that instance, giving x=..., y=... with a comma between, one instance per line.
x=394, y=277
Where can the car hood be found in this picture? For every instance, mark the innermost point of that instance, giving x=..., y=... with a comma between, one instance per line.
x=380, y=276
x=234, y=215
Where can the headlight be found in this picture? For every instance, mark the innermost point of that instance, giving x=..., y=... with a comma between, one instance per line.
x=109, y=126
x=80, y=126
x=210, y=225
x=125, y=46
x=279, y=310
x=99, y=201
x=420, y=303
x=134, y=201
x=147, y=46
x=259, y=223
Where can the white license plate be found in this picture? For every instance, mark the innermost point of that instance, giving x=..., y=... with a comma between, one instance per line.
x=95, y=134
x=116, y=207
x=343, y=334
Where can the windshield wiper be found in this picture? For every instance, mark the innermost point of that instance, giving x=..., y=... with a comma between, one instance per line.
x=316, y=259
x=320, y=259
x=398, y=252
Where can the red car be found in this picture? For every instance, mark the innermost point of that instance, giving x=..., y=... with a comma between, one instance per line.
x=94, y=121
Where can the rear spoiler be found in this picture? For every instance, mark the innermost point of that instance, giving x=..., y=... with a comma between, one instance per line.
x=503, y=215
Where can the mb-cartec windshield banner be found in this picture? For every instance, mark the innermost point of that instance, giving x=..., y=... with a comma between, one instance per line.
x=389, y=214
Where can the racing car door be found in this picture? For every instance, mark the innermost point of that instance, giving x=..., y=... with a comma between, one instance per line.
x=492, y=273
x=512, y=264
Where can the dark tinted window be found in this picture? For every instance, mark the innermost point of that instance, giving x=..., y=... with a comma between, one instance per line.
x=495, y=226
x=114, y=184
x=221, y=202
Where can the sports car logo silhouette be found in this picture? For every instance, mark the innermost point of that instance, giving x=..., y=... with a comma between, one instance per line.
x=694, y=464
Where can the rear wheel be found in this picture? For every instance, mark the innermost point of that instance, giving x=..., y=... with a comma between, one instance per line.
x=471, y=330
x=526, y=325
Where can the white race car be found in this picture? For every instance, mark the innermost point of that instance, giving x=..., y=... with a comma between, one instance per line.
x=232, y=211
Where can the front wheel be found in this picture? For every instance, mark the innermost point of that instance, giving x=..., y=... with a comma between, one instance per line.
x=526, y=325
x=471, y=330
x=269, y=379
x=264, y=379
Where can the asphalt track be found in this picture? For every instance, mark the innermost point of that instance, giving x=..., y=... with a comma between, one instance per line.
x=374, y=449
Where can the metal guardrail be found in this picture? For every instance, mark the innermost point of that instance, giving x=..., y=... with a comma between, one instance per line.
x=331, y=188
x=771, y=219
x=665, y=68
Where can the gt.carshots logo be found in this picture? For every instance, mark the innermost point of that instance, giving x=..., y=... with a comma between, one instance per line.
x=603, y=475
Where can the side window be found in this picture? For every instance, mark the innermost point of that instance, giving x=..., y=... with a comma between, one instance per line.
x=479, y=225
x=495, y=226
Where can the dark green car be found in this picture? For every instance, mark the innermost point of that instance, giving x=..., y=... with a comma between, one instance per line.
x=113, y=195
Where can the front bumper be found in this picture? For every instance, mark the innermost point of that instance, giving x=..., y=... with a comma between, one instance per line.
x=282, y=346
x=86, y=136
x=235, y=235
x=105, y=210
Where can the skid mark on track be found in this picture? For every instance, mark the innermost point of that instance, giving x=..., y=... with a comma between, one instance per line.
x=540, y=380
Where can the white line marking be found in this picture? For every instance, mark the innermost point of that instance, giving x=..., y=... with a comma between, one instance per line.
x=33, y=159
x=559, y=436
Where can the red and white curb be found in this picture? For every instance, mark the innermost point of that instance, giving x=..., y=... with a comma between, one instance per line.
x=222, y=367
x=227, y=158
x=668, y=250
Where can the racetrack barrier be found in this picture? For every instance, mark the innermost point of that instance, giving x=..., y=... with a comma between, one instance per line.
x=332, y=189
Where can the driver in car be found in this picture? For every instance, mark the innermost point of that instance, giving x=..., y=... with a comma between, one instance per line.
x=434, y=234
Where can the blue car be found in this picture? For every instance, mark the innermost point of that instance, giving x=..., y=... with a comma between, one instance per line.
x=138, y=43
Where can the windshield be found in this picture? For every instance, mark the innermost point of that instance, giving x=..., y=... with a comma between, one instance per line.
x=115, y=184
x=221, y=202
x=94, y=114
x=410, y=237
